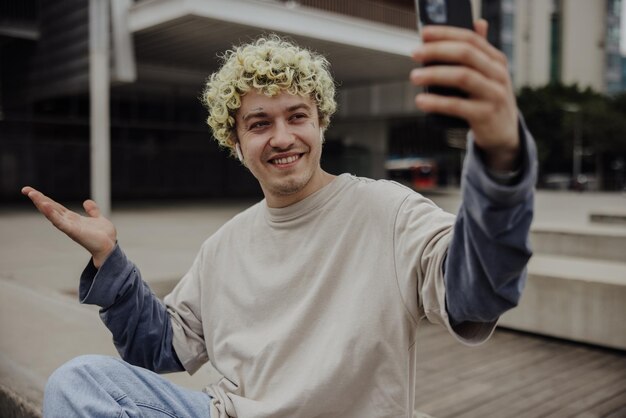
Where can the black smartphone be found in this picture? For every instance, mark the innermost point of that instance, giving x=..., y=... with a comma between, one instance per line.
x=450, y=13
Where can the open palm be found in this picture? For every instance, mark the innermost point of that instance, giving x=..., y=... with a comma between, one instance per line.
x=94, y=232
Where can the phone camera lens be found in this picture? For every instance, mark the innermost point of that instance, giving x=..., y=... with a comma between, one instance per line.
x=437, y=12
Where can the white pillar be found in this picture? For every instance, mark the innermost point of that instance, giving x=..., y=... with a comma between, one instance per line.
x=99, y=86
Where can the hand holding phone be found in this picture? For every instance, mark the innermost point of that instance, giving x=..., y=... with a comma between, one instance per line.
x=456, y=13
x=463, y=60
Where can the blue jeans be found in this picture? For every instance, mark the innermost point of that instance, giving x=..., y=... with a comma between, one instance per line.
x=100, y=386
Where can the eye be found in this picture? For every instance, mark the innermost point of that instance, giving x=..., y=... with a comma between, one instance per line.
x=259, y=125
x=297, y=116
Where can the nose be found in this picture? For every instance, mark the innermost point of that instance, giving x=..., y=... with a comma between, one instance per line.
x=282, y=137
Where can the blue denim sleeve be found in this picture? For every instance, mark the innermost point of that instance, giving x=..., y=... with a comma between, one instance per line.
x=485, y=269
x=141, y=328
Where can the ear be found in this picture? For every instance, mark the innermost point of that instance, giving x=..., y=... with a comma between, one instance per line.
x=238, y=151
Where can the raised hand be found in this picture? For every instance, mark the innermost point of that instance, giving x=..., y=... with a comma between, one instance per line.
x=94, y=232
x=483, y=73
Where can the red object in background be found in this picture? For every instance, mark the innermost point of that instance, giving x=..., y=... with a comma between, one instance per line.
x=424, y=176
x=418, y=173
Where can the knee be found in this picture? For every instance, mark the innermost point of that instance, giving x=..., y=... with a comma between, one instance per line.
x=77, y=372
x=72, y=387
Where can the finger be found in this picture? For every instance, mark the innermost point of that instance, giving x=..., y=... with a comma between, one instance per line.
x=49, y=212
x=91, y=208
x=471, y=82
x=39, y=200
x=472, y=110
x=27, y=189
x=481, y=26
x=464, y=54
x=434, y=33
x=59, y=220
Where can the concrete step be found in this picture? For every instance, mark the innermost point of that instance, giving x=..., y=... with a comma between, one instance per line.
x=573, y=298
x=41, y=330
x=607, y=245
x=615, y=216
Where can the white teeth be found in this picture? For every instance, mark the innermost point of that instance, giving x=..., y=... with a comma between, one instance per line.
x=286, y=160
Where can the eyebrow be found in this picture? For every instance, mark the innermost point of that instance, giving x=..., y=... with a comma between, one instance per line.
x=259, y=113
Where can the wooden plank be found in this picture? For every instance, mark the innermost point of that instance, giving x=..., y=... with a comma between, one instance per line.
x=458, y=376
x=500, y=349
x=517, y=375
x=607, y=408
x=618, y=413
x=588, y=401
x=490, y=364
x=611, y=406
x=514, y=388
x=502, y=380
x=455, y=396
x=582, y=382
x=540, y=386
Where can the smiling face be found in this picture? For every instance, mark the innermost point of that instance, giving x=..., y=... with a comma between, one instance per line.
x=281, y=142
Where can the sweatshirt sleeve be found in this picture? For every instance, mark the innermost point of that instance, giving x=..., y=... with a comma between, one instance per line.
x=184, y=306
x=485, y=269
x=138, y=320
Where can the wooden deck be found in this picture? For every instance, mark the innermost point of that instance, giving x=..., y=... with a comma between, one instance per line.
x=518, y=375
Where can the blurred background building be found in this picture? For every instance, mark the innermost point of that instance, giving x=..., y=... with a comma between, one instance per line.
x=161, y=51
x=568, y=41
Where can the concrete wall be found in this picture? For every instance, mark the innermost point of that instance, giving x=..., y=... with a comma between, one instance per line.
x=396, y=98
x=371, y=134
x=532, y=43
x=576, y=286
x=575, y=308
x=606, y=245
x=583, y=43
x=363, y=114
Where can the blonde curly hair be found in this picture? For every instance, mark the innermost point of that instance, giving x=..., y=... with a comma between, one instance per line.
x=270, y=65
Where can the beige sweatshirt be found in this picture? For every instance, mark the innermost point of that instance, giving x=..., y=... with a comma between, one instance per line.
x=312, y=310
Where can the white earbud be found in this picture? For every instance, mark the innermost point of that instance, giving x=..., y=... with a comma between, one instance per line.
x=238, y=151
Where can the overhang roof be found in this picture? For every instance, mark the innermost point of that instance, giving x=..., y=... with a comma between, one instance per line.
x=181, y=39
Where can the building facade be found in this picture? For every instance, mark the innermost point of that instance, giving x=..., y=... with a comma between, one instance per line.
x=160, y=54
x=161, y=51
x=568, y=41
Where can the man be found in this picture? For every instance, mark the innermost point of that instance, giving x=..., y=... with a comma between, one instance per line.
x=308, y=302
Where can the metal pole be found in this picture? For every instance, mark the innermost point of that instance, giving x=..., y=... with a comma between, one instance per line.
x=577, y=152
x=99, y=85
x=575, y=109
